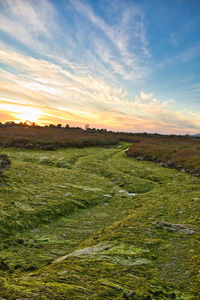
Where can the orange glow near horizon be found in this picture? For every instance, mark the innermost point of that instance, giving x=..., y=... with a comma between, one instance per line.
x=11, y=111
x=22, y=113
x=29, y=113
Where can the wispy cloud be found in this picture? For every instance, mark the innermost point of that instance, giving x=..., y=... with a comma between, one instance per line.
x=190, y=53
x=80, y=61
x=124, y=46
x=28, y=21
x=186, y=56
x=64, y=94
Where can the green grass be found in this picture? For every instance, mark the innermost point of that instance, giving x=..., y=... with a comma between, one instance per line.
x=71, y=230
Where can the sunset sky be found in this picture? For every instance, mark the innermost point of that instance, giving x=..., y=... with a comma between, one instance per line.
x=122, y=65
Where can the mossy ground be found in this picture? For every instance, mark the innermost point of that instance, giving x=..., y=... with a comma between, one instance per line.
x=71, y=229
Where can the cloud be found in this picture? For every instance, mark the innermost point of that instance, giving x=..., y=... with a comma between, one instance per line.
x=145, y=96
x=64, y=94
x=6, y=115
x=190, y=53
x=28, y=21
x=185, y=56
x=120, y=49
x=123, y=46
x=166, y=118
x=44, y=82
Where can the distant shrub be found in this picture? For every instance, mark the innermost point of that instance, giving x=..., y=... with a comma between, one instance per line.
x=182, y=153
x=52, y=138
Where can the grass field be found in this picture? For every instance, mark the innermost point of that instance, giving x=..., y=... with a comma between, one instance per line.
x=180, y=152
x=92, y=223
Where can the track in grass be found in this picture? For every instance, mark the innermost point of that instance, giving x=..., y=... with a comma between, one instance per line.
x=93, y=224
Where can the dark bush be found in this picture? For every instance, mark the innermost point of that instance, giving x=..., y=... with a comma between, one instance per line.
x=4, y=162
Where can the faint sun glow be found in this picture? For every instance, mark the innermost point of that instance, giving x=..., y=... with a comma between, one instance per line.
x=25, y=113
x=29, y=113
x=22, y=113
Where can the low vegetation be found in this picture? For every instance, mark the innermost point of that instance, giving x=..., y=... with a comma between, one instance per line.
x=182, y=153
x=51, y=138
x=92, y=223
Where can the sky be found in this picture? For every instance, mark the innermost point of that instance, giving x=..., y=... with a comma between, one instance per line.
x=124, y=65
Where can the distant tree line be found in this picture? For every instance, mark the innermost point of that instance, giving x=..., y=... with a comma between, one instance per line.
x=21, y=124
x=59, y=126
x=33, y=124
x=28, y=124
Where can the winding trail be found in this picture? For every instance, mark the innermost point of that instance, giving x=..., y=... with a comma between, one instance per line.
x=125, y=249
